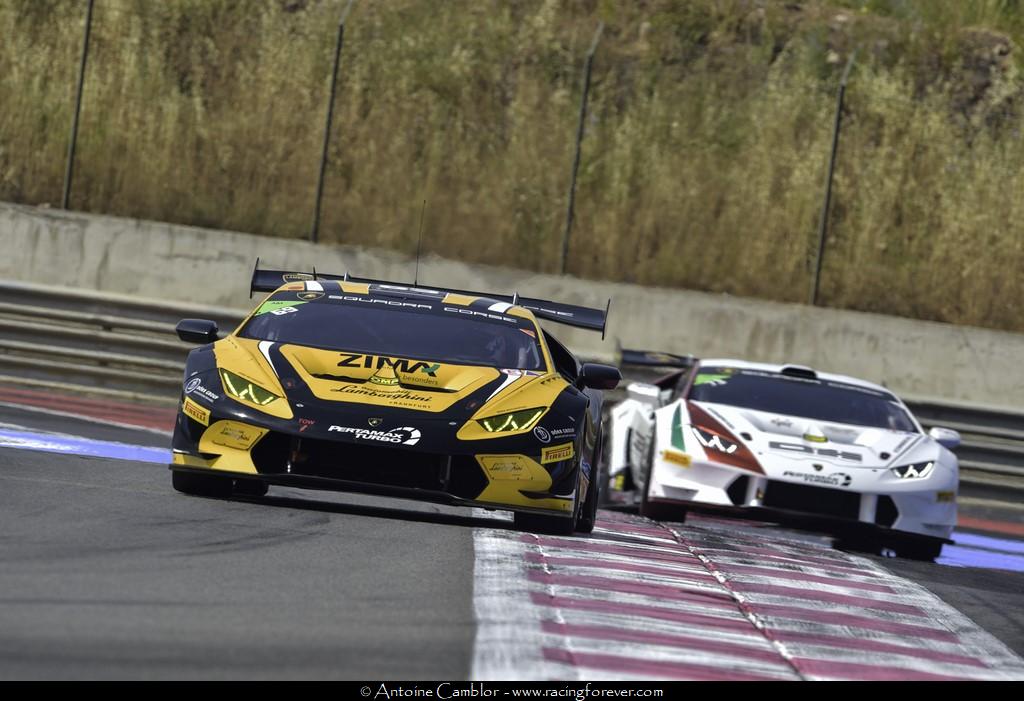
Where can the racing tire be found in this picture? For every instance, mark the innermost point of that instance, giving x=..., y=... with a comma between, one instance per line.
x=251, y=488
x=604, y=478
x=915, y=549
x=648, y=508
x=588, y=513
x=539, y=523
x=201, y=485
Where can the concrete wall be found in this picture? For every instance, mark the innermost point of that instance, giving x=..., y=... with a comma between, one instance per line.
x=163, y=261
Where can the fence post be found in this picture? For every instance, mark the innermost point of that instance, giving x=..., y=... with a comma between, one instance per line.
x=569, y=212
x=314, y=233
x=823, y=223
x=73, y=141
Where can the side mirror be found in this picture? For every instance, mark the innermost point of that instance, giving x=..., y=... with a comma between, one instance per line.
x=946, y=437
x=596, y=376
x=201, y=331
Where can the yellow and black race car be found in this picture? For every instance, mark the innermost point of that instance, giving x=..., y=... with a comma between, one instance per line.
x=359, y=385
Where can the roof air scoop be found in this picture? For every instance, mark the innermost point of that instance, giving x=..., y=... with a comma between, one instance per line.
x=814, y=434
x=799, y=371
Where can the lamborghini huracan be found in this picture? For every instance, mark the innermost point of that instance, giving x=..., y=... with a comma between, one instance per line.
x=764, y=438
x=346, y=384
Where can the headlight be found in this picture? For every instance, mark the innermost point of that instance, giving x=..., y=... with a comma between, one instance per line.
x=714, y=441
x=240, y=388
x=514, y=421
x=915, y=471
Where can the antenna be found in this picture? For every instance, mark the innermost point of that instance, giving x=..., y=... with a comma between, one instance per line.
x=419, y=241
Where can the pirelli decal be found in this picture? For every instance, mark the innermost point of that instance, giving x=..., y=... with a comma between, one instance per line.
x=556, y=453
x=194, y=411
x=674, y=456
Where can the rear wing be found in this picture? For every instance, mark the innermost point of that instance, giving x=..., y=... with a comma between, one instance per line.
x=654, y=359
x=587, y=318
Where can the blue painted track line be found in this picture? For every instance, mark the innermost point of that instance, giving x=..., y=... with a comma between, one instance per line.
x=55, y=443
x=973, y=550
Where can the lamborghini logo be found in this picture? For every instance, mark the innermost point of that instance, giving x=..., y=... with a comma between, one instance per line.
x=375, y=422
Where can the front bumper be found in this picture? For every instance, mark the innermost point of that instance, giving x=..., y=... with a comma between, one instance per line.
x=928, y=511
x=491, y=479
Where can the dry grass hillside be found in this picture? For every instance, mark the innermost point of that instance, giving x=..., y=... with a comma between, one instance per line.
x=703, y=164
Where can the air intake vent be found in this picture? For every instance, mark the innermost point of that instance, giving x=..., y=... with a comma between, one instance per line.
x=799, y=371
x=886, y=512
x=737, y=491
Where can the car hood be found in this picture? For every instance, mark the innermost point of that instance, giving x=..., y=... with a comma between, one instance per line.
x=343, y=379
x=777, y=439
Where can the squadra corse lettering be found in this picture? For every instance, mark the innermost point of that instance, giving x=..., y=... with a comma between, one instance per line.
x=377, y=300
x=473, y=312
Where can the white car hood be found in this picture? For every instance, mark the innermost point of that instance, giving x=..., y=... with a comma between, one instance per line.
x=779, y=441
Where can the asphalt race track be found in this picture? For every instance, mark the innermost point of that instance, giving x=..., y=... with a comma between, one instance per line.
x=109, y=573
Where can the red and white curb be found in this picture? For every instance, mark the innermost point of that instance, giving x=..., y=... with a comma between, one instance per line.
x=640, y=600
x=159, y=420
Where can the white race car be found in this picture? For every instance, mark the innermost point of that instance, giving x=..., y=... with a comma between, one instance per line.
x=784, y=438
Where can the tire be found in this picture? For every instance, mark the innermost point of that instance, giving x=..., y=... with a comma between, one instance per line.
x=201, y=485
x=539, y=523
x=588, y=512
x=916, y=549
x=251, y=488
x=604, y=478
x=868, y=545
x=654, y=510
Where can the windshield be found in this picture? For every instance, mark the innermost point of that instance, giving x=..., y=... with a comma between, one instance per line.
x=823, y=400
x=415, y=329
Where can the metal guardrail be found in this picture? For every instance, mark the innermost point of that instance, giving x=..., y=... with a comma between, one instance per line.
x=111, y=344
x=96, y=343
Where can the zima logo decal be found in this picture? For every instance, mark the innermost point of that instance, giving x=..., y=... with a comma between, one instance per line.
x=406, y=435
x=353, y=360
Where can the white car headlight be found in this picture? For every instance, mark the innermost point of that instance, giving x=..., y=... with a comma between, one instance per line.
x=916, y=470
x=714, y=441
